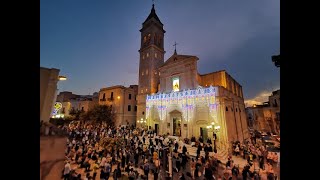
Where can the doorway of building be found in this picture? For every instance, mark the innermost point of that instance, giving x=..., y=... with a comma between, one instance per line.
x=156, y=127
x=204, y=133
x=176, y=127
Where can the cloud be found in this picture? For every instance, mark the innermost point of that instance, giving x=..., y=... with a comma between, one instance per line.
x=259, y=99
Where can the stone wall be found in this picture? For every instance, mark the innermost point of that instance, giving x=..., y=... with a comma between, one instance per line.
x=52, y=156
x=48, y=89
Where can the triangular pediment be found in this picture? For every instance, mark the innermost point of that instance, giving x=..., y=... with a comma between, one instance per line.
x=178, y=58
x=175, y=112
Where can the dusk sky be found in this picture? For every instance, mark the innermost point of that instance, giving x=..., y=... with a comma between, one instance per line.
x=95, y=43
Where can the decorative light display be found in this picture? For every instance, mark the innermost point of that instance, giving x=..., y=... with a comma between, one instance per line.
x=57, y=106
x=186, y=99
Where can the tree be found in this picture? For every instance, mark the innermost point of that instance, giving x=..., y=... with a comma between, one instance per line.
x=76, y=113
x=86, y=115
x=102, y=113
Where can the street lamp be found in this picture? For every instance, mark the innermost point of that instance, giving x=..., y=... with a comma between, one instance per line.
x=142, y=122
x=62, y=78
x=217, y=128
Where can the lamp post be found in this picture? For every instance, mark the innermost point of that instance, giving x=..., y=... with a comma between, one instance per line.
x=122, y=108
x=60, y=78
x=138, y=122
x=142, y=122
x=217, y=129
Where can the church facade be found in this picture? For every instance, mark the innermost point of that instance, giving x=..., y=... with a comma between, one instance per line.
x=173, y=98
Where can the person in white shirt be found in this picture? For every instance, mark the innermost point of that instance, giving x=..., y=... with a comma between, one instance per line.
x=103, y=161
x=66, y=171
x=237, y=150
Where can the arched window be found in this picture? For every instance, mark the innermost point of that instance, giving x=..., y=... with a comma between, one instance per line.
x=148, y=38
x=159, y=40
x=144, y=39
x=155, y=38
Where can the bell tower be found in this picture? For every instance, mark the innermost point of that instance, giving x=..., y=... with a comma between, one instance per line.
x=151, y=58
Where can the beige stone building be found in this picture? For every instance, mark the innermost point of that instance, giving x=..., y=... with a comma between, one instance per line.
x=174, y=98
x=82, y=105
x=65, y=96
x=66, y=107
x=48, y=91
x=77, y=102
x=123, y=101
x=266, y=117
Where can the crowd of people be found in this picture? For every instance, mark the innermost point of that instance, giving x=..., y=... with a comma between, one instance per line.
x=98, y=151
x=256, y=152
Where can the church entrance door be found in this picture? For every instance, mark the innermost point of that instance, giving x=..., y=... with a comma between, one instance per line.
x=176, y=122
x=204, y=133
x=156, y=127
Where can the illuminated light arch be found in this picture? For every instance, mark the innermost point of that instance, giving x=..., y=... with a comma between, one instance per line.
x=57, y=106
x=187, y=99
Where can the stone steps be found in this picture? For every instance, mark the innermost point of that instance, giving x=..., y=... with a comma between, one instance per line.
x=222, y=155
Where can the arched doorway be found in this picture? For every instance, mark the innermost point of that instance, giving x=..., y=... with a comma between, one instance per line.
x=176, y=126
x=176, y=121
